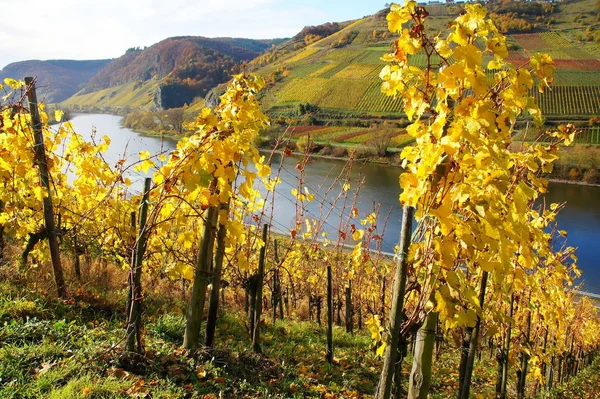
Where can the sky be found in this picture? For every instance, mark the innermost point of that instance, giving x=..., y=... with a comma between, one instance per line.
x=85, y=29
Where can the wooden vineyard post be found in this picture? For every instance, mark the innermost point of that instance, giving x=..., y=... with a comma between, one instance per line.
x=329, y=351
x=399, y=392
x=252, y=283
x=420, y=375
x=259, y=290
x=194, y=316
x=276, y=296
x=134, y=321
x=349, y=309
x=213, y=304
x=42, y=163
x=465, y=382
x=133, y=224
x=384, y=387
x=503, y=356
x=522, y=375
x=76, y=263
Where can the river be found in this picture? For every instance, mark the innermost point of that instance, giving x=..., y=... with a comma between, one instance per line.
x=580, y=218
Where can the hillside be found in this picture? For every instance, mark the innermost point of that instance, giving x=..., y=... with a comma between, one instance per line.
x=335, y=66
x=339, y=73
x=174, y=70
x=57, y=79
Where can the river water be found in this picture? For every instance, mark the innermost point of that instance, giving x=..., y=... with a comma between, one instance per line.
x=580, y=218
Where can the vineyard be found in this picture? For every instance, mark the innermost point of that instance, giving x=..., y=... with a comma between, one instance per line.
x=352, y=135
x=217, y=300
x=373, y=101
x=576, y=75
x=575, y=101
x=584, y=136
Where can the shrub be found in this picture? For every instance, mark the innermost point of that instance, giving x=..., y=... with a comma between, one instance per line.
x=304, y=144
x=574, y=173
x=309, y=120
x=326, y=150
x=363, y=153
x=382, y=140
x=339, y=152
x=560, y=171
x=344, y=40
x=592, y=176
x=20, y=309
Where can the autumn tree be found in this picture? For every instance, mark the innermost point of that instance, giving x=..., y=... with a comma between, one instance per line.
x=176, y=118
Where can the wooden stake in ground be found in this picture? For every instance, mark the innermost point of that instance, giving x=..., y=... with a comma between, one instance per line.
x=76, y=250
x=134, y=321
x=349, y=310
x=213, y=305
x=384, y=389
x=503, y=364
x=201, y=279
x=522, y=374
x=259, y=290
x=420, y=375
x=42, y=164
x=469, y=356
x=329, y=351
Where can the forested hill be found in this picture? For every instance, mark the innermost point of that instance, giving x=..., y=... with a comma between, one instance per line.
x=181, y=67
x=57, y=79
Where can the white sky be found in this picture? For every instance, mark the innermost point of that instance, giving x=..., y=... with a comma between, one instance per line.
x=85, y=29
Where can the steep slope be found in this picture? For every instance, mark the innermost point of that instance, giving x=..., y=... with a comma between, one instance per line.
x=57, y=79
x=180, y=67
x=339, y=73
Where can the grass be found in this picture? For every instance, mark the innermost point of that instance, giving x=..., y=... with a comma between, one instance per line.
x=585, y=385
x=73, y=349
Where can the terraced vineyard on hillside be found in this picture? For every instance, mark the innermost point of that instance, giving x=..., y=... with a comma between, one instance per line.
x=347, y=78
x=584, y=136
x=356, y=136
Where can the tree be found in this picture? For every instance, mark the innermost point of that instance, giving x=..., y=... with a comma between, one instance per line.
x=176, y=117
x=382, y=141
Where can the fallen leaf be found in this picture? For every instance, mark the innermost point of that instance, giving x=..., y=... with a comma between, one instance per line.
x=201, y=372
x=43, y=369
x=117, y=373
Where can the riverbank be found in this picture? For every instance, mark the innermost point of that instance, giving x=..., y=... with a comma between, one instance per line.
x=577, y=166
x=395, y=162
x=574, y=182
